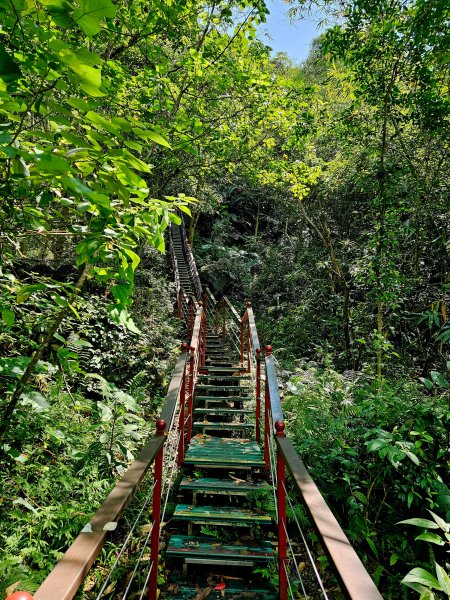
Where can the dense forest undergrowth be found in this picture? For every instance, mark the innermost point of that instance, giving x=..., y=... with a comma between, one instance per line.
x=319, y=192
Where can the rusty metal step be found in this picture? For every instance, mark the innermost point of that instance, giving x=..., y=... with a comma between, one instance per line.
x=220, y=515
x=212, y=485
x=193, y=549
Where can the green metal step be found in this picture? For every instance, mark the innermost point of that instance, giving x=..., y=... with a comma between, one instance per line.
x=223, y=376
x=234, y=487
x=223, y=453
x=221, y=515
x=223, y=411
x=224, y=398
x=208, y=551
x=226, y=369
x=207, y=386
x=232, y=591
x=209, y=426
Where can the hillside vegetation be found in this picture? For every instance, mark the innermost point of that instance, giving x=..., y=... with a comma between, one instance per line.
x=319, y=192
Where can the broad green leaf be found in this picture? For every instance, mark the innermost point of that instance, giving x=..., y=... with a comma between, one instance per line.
x=431, y=537
x=185, y=209
x=91, y=13
x=413, y=457
x=36, y=400
x=426, y=382
x=121, y=293
x=8, y=317
x=9, y=69
x=440, y=522
x=426, y=523
x=439, y=379
x=419, y=575
x=25, y=292
x=100, y=121
x=375, y=445
x=146, y=134
x=52, y=163
x=135, y=259
x=443, y=578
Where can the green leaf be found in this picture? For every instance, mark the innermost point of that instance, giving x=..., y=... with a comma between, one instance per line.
x=413, y=457
x=9, y=69
x=36, y=400
x=146, y=134
x=426, y=382
x=444, y=579
x=100, y=122
x=433, y=538
x=373, y=548
x=135, y=259
x=419, y=575
x=440, y=522
x=439, y=379
x=52, y=163
x=8, y=317
x=375, y=445
x=185, y=209
x=362, y=498
x=91, y=13
x=25, y=292
x=24, y=503
x=121, y=293
x=426, y=523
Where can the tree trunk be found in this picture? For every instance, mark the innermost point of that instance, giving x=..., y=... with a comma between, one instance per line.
x=38, y=354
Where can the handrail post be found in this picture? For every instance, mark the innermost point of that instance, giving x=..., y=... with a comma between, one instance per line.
x=191, y=393
x=156, y=513
x=189, y=312
x=180, y=304
x=241, y=341
x=258, y=395
x=248, y=347
x=205, y=299
x=266, y=416
x=217, y=318
x=224, y=323
x=181, y=427
x=249, y=305
x=281, y=501
x=203, y=351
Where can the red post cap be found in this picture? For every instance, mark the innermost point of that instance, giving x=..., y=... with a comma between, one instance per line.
x=249, y=304
x=20, y=596
x=268, y=350
x=184, y=347
x=161, y=425
x=258, y=352
x=279, y=427
x=200, y=303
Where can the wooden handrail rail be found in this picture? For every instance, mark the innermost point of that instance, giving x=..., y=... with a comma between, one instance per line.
x=64, y=580
x=253, y=331
x=234, y=312
x=355, y=582
x=191, y=261
x=272, y=382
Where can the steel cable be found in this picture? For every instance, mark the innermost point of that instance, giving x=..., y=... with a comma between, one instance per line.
x=311, y=558
x=124, y=545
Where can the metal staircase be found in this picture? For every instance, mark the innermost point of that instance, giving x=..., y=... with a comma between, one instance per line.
x=219, y=447
x=222, y=468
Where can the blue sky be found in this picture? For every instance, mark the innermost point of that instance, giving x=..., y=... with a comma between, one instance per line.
x=293, y=38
